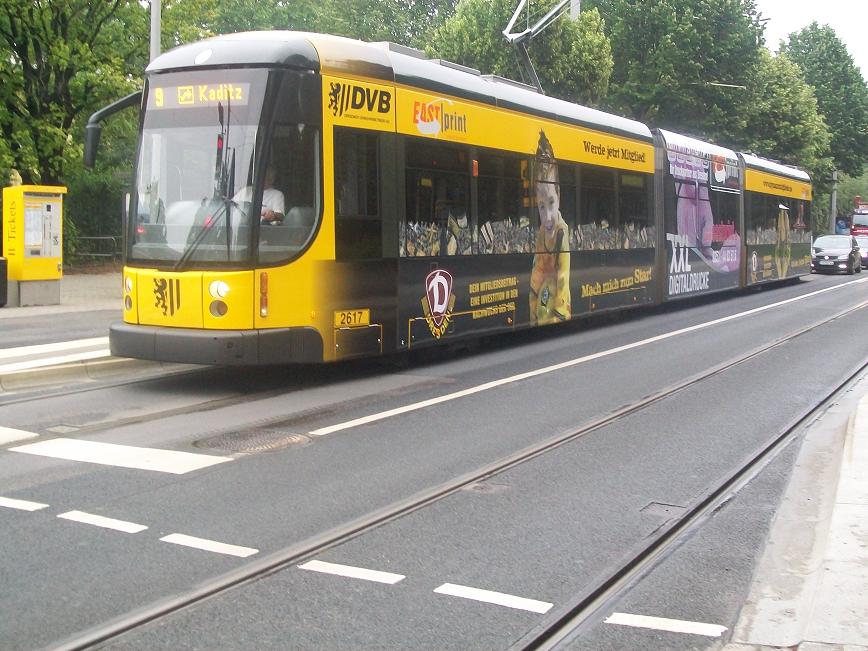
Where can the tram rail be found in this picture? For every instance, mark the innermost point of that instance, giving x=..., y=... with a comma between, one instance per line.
x=571, y=618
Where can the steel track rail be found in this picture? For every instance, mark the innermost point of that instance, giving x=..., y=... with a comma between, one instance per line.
x=571, y=620
x=300, y=551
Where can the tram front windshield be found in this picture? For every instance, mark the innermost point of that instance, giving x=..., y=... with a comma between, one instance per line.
x=202, y=170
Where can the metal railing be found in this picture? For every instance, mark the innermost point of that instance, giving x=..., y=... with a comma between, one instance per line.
x=106, y=247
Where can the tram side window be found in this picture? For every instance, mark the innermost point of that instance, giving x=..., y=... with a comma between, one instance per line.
x=295, y=162
x=635, y=230
x=358, y=227
x=724, y=210
x=800, y=221
x=760, y=225
x=596, y=228
x=437, y=218
x=502, y=199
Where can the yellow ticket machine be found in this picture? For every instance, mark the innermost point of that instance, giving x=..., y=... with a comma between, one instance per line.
x=33, y=243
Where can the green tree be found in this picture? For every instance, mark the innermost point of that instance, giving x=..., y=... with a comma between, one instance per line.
x=842, y=93
x=572, y=58
x=408, y=22
x=59, y=60
x=679, y=64
x=784, y=120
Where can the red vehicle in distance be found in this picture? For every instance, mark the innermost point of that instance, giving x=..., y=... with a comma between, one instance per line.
x=859, y=220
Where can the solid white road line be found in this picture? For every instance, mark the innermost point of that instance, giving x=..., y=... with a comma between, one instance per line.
x=498, y=598
x=663, y=624
x=21, y=505
x=209, y=545
x=100, y=521
x=39, y=349
x=125, y=456
x=14, y=367
x=9, y=435
x=322, y=431
x=352, y=572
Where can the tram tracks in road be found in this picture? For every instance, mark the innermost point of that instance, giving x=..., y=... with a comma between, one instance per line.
x=567, y=623
x=570, y=619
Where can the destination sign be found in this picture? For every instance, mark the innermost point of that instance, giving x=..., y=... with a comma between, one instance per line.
x=198, y=95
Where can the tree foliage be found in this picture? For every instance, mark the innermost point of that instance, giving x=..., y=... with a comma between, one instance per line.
x=60, y=59
x=572, y=58
x=409, y=22
x=842, y=94
x=673, y=57
x=784, y=122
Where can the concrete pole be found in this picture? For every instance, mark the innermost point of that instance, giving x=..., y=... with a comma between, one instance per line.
x=575, y=8
x=833, y=208
x=155, y=29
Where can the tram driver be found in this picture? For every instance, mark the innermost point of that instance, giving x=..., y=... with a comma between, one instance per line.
x=272, y=210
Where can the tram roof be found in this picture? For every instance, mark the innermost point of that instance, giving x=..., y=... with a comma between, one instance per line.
x=765, y=165
x=686, y=144
x=390, y=63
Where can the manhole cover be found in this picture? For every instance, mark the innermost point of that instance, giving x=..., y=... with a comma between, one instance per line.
x=250, y=441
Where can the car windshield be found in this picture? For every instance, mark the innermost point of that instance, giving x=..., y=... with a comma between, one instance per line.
x=833, y=242
x=862, y=241
x=860, y=219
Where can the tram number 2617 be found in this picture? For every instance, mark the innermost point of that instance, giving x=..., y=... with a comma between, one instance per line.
x=352, y=318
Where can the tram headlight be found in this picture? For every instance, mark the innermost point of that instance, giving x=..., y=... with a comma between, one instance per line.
x=128, y=285
x=218, y=289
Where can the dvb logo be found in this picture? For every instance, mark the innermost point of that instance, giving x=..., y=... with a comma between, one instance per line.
x=346, y=97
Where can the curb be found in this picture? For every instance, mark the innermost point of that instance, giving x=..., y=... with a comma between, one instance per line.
x=91, y=369
x=780, y=609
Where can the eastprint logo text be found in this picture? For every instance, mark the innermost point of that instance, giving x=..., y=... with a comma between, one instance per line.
x=347, y=97
x=434, y=117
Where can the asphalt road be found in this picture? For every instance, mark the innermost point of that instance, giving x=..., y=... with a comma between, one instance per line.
x=540, y=531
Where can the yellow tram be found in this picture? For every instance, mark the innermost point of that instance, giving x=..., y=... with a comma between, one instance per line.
x=305, y=198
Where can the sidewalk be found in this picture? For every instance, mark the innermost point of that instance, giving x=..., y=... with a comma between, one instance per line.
x=63, y=360
x=78, y=293
x=810, y=590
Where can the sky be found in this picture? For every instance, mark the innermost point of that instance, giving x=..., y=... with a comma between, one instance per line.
x=849, y=19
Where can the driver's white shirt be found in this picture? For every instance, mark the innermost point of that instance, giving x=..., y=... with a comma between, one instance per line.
x=272, y=198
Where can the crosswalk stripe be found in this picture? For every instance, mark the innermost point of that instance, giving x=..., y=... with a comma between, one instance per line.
x=124, y=456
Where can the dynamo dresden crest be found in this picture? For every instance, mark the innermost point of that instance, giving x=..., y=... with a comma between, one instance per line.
x=439, y=301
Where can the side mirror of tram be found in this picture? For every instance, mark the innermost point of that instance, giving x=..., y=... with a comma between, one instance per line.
x=92, y=133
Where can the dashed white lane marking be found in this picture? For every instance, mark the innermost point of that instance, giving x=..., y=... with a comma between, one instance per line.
x=663, y=624
x=125, y=456
x=498, y=598
x=322, y=431
x=352, y=572
x=9, y=435
x=39, y=349
x=209, y=545
x=100, y=521
x=21, y=505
